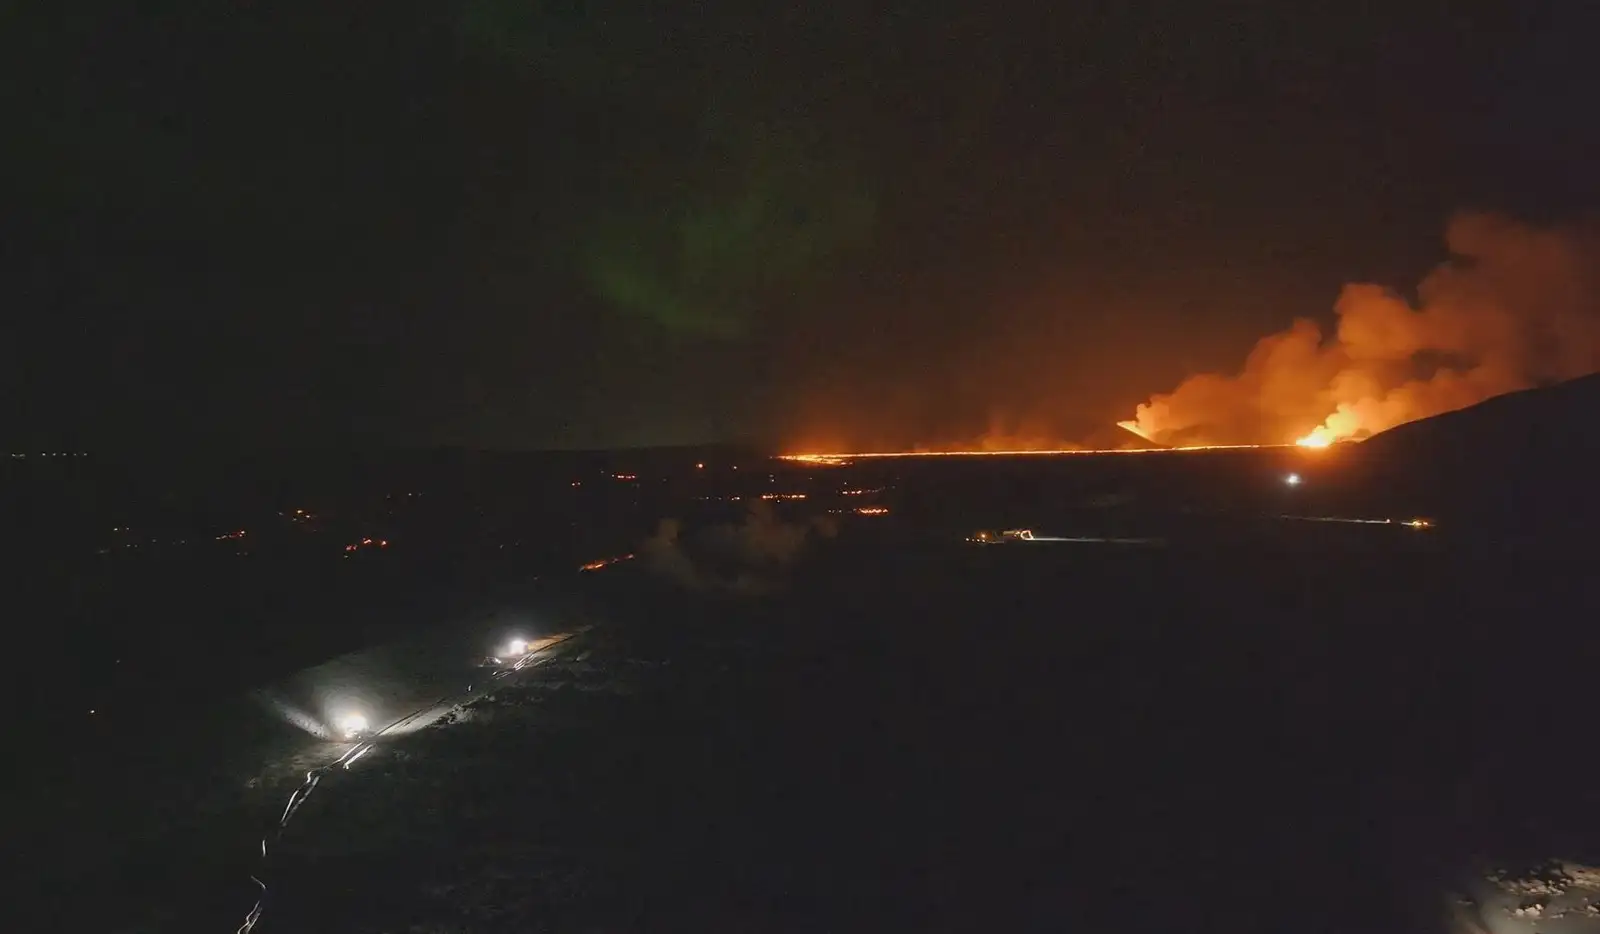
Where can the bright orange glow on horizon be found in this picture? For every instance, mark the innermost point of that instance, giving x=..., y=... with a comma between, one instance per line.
x=835, y=460
x=1511, y=308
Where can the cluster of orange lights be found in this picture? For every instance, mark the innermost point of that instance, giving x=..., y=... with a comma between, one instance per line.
x=872, y=510
x=604, y=562
x=231, y=536
x=366, y=543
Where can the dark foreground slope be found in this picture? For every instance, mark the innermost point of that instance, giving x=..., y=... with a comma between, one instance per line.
x=149, y=819
x=1251, y=738
x=1525, y=462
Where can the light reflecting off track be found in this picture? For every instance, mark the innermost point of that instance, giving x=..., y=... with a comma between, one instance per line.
x=360, y=751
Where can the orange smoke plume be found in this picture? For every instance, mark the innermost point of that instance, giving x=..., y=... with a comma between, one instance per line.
x=1515, y=306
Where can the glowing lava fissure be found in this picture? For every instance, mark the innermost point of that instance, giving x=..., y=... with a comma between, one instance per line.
x=840, y=459
x=1319, y=438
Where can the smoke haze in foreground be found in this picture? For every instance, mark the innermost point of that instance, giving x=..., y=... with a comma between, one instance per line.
x=745, y=558
x=1515, y=306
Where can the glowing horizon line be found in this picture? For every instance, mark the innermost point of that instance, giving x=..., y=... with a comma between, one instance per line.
x=1032, y=453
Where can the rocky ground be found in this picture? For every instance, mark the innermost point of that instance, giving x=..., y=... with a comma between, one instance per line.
x=524, y=803
x=961, y=742
x=1553, y=897
x=1240, y=738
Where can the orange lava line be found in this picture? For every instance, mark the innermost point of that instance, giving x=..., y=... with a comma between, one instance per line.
x=824, y=458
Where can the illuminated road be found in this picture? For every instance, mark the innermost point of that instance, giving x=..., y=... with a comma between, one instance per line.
x=410, y=703
x=1415, y=523
x=152, y=819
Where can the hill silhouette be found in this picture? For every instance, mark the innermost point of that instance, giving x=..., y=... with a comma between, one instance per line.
x=1523, y=463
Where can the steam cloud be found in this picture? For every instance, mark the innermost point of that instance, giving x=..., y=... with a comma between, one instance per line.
x=747, y=558
x=1515, y=306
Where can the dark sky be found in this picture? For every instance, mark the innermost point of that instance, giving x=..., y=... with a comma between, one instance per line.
x=536, y=224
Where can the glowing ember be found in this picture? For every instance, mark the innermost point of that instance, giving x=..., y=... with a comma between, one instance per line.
x=604, y=562
x=1317, y=439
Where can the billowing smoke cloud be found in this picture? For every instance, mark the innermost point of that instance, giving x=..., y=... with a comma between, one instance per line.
x=1515, y=306
x=747, y=558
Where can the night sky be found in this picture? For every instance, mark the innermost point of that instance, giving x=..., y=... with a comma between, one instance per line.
x=562, y=224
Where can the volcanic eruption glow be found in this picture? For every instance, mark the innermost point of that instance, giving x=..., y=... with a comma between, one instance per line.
x=1133, y=427
x=1515, y=306
x=841, y=459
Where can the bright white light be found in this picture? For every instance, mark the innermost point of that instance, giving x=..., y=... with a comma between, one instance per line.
x=1292, y=479
x=352, y=725
x=515, y=648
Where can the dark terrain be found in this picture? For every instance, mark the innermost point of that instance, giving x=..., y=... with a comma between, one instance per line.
x=810, y=703
x=1256, y=737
